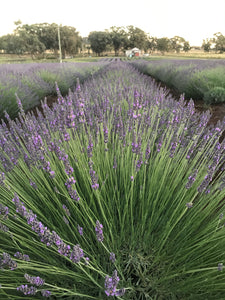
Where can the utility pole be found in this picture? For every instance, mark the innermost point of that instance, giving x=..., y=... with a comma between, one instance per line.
x=60, y=50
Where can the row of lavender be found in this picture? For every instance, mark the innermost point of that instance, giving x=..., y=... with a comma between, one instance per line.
x=197, y=78
x=32, y=82
x=117, y=190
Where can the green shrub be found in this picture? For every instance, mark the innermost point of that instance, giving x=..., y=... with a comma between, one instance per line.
x=215, y=95
x=203, y=81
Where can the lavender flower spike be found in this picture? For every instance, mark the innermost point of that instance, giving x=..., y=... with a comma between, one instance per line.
x=34, y=280
x=27, y=290
x=45, y=293
x=99, y=231
x=111, y=285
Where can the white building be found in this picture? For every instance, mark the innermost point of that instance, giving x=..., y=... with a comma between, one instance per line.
x=133, y=52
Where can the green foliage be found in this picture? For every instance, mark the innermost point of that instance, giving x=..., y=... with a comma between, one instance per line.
x=163, y=45
x=206, y=45
x=215, y=95
x=118, y=38
x=99, y=41
x=162, y=213
x=202, y=82
x=219, y=40
x=37, y=38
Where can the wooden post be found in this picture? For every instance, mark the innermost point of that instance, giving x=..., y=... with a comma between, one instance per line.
x=60, y=50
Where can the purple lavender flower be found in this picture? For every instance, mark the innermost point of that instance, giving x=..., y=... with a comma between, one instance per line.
x=220, y=267
x=2, y=178
x=120, y=292
x=191, y=179
x=21, y=256
x=139, y=162
x=111, y=285
x=189, y=205
x=66, y=210
x=112, y=257
x=65, y=220
x=74, y=195
x=38, y=281
x=45, y=293
x=90, y=147
x=76, y=254
x=99, y=231
x=105, y=131
x=26, y=290
x=64, y=249
x=94, y=179
x=4, y=210
x=147, y=152
x=80, y=229
x=6, y=261
x=86, y=260
x=69, y=182
x=33, y=184
x=52, y=174
x=4, y=228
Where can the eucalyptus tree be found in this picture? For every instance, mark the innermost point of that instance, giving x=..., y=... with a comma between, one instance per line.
x=118, y=37
x=99, y=40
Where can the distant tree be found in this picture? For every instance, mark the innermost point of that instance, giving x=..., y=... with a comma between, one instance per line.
x=151, y=44
x=86, y=45
x=71, y=42
x=136, y=38
x=99, y=41
x=163, y=45
x=48, y=35
x=206, y=45
x=28, y=34
x=219, y=41
x=186, y=46
x=177, y=43
x=118, y=38
x=12, y=43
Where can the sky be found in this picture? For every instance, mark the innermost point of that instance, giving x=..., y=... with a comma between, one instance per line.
x=193, y=20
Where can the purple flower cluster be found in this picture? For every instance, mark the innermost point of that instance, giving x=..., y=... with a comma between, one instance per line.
x=76, y=254
x=45, y=293
x=38, y=281
x=111, y=285
x=4, y=211
x=72, y=192
x=80, y=229
x=46, y=236
x=27, y=290
x=94, y=179
x=99, y=231
x=4, y=227
x=6, y=261
x=112, y=257
x=2, y=178
x=21, y=256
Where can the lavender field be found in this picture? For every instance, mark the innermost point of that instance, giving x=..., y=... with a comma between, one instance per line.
x=199, y=79
x=117, y=191
x=32, y=82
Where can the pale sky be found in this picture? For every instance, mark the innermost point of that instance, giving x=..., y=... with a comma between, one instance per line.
x=193, y=20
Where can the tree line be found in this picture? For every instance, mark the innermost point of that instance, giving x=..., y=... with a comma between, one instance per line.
x=36, y=39
x=217, y=43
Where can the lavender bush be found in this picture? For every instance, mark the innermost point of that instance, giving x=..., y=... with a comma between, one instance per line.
x=194, y=77
x=33, y=82
x=117, y=191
